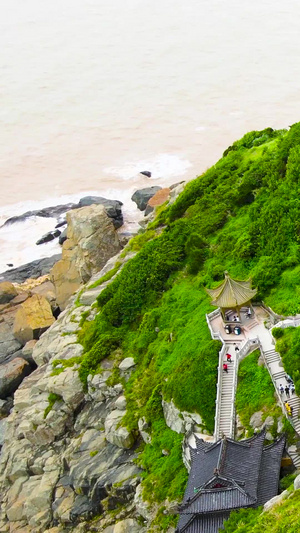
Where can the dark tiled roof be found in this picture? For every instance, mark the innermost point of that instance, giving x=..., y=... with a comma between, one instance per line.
x=210, y=523
x=204, y=462
x=228, y=475
x=225, y=499
x=242, y=462
x=270, y=470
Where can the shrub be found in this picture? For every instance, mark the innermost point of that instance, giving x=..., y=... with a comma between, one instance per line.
x=277, y=333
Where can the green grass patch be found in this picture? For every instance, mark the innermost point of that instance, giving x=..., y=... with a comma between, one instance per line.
x=52, y=398
x=106, y=276
x=59, y=365
x=164, y=475
x=283, y=518
x=255, y=390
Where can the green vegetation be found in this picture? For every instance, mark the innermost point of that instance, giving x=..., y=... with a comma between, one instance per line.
x=288, y=345
x=52, y=398
x=106, y=276
x=255, y=391
x=283, y=518
x=287, y=482
x=59, y=365
x=242, y=215
x=93, y=453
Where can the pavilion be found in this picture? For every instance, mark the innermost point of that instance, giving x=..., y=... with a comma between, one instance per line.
x=226, y=476
x=232, y=295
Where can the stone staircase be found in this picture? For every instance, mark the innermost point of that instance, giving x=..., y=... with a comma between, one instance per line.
x=225, y=413
x=273, y=361
x=252, y=323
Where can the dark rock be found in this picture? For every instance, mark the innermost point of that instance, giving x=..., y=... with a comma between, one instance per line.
x=35, y=269
x=11, y=375
x=8, y=343
x=6, y=406
x=61, y=223
x=46, y=212
x=146, y=173
x=142, y=196
x=113, y=208
x=63, y=237
x=9, y=265
x=83, y=507
x=49, y=236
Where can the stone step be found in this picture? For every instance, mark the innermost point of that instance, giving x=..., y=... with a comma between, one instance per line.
x=278, y=375
x=272, y=358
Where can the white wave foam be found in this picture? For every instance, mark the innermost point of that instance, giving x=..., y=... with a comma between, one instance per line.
x=161, y=166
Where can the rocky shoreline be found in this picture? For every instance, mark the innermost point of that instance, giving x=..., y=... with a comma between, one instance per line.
x=66, y=456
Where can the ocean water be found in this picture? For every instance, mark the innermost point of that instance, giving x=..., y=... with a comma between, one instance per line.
x=94, y=92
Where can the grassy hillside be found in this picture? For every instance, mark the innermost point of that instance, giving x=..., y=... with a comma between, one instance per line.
x=283, y=518
x=242, y=215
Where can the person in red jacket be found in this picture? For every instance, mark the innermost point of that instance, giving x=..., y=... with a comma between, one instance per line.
x=225, y=367
x=229, y=360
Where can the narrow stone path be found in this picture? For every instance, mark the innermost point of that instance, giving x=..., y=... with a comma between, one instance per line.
x=254, y=335
x=226, y=396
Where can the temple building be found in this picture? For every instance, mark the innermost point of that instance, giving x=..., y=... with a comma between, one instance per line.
x=228, y=475
x=231, y=296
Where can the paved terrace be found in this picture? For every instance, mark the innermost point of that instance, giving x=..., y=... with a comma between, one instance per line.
x=254, y=335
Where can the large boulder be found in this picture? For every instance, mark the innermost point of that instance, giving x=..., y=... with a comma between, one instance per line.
x=113, y=208
x=32, y=319
x=11, y=375
x=91, y=241
x=159, y=198
x=7, y=292
x=142, y=196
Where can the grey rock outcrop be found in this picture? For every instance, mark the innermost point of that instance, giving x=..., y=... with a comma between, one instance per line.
x=115, y=433
x=180, y=421
x=8, y=343
x=58, y=467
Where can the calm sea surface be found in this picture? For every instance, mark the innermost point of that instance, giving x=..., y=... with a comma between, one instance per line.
x=94, y=91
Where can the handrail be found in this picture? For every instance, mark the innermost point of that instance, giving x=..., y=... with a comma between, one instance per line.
x=250, y=344
x=219, y=391
x=275, y=386
x=288, y=323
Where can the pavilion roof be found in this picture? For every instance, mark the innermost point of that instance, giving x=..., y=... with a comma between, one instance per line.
x=232, y=293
